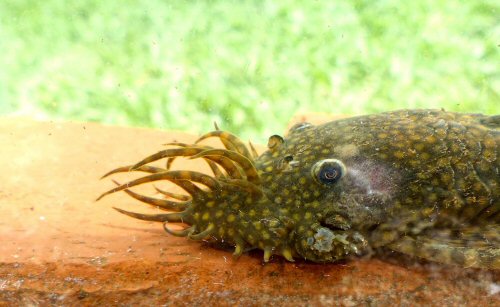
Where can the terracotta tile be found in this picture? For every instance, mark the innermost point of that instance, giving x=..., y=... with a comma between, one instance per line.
x=59, y=246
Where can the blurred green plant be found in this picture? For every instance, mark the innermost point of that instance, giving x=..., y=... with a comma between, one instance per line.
x=249, y=65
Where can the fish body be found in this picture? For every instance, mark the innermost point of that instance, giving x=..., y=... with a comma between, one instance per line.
x=422, y=182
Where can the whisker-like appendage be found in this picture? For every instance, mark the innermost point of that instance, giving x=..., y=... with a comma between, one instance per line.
x=126, y=169
x=287, y=254
x=204, y=179
x=190, y=187
x=268, y=251
x=205, y=233
x=169, y=153
x=247, y=166
x=254, y=190
x=170, y=161
x=184, y=145
x=173, y=195
x=177, y=217
x=228, y=165
x=238, y=250
x=215, y=169
x=216, y=126
x=159, y=203
x=230, y=141
x=255, y=154
x=179, y=233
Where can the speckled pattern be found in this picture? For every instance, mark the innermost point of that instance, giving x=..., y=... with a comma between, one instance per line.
x=422, y=182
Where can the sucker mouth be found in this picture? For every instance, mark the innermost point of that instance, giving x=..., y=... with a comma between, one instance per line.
x=337, y=243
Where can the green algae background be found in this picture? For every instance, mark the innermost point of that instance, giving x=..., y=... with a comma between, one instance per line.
x=249, y=65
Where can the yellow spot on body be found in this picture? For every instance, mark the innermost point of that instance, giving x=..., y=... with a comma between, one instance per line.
x=269, y=169
x=382, y=156
x=389, y=236
x=349, y=150
x=302, y=180
x=296, y=217
x=431, y=139
x=446, y=178
x=478, y=187
x=205, y=216
x=308, y=215
x=399, y=154
x=284, y=211
x=235, y=206
x=251, y=213
x=419, y=146
x=266, y=235
x=382, y=135
x=278, y=200
x=231, y=218
x=219, y=213
x=230, y=232
x=489, y=155
x=266, y=212
x=428, y=211
x=196, y=216
x=257, y=225
x=273, y=223
x=489, y=143
x=425, y=156
x=210, y=204
x=414, y=163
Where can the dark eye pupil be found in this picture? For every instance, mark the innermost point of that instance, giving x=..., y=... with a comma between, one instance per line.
x=330, y=173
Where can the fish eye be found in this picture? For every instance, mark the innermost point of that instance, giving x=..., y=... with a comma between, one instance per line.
x=328, y=171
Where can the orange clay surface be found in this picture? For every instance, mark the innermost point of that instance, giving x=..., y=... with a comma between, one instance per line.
x=59, y=247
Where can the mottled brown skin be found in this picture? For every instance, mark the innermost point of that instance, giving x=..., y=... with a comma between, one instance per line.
x=422, y=182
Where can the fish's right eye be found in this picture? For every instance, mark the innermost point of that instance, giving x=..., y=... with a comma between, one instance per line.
x=328, y=171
